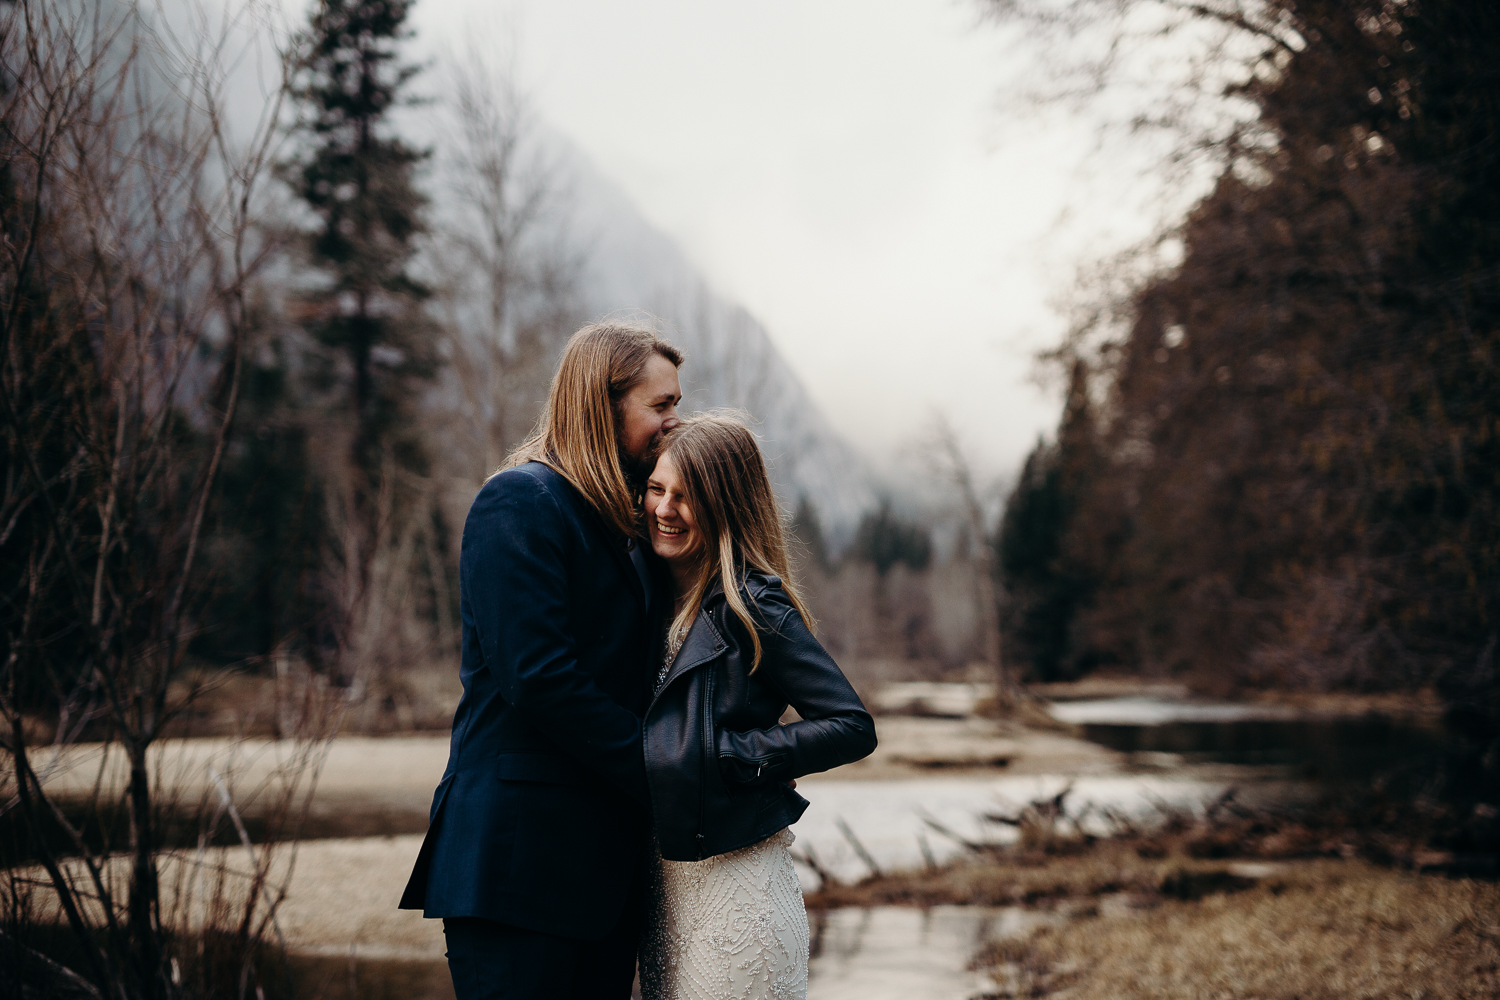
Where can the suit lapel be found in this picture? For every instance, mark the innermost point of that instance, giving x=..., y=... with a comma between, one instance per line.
x=621, y=554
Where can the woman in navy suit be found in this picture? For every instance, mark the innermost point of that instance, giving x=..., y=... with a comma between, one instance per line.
x=534, y=853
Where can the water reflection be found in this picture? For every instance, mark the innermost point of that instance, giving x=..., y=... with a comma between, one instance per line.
x=1150, y=711
x=897, y=952
x=1332, y=750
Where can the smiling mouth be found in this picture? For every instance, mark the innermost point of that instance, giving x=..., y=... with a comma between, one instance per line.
x=669, y=531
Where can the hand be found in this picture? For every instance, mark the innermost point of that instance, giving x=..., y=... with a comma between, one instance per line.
x=790, y=783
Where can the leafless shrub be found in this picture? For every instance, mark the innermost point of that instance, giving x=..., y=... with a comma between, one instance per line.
x=129, y=259
x=508, y=260
x=978, y=552
x=399, y=621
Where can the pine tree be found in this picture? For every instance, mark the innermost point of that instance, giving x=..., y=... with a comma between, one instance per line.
x=360, y=182
x=359, y=179
x=1045, y=576
x=268, y=535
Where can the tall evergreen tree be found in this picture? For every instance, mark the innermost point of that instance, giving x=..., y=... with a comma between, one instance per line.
x=267, y=537
x=358, y=178
x=1045, y=578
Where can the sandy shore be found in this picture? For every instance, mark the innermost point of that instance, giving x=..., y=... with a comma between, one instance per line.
x=384, y=785
x=343, y=899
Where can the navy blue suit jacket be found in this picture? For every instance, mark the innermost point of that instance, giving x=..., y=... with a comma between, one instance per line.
x=541, y=818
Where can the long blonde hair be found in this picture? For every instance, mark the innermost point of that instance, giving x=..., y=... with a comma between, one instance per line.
x=725, y=484
x=577, y=433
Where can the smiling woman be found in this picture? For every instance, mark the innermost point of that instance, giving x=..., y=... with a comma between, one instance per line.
x=669, y=523
x=726, y=916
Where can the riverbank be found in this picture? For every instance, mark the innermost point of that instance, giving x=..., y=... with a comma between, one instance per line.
x=1045, y=871
x=1070, y=918
x=1311, y=930
x=959, y=836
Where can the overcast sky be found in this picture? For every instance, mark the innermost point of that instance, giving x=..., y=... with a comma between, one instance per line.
x=853, y=173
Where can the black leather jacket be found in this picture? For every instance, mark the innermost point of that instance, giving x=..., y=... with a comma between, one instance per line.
x=716, y=755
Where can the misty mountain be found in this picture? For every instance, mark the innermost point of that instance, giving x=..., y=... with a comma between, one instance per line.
x=631, y=267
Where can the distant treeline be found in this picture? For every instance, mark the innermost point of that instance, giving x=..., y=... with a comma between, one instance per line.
x=1285, y=470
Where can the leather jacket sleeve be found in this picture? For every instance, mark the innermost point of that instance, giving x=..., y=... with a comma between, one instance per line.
x=834, y=729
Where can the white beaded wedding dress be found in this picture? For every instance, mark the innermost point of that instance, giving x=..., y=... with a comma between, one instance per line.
x=730, y=927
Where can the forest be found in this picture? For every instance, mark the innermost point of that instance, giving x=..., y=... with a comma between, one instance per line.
x=1278, y=463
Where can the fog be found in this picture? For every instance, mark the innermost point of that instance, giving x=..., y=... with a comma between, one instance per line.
x=863, y=177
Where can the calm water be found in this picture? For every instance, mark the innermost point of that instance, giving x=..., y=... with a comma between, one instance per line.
x=1332, y=751
x=892, y=820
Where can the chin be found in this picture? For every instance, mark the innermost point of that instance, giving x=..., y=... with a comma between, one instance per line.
x=672, y=550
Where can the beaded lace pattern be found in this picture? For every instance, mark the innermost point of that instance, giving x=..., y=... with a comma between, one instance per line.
x=675, y=639
x=730, y=927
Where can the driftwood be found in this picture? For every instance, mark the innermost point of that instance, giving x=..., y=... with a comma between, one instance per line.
x=810, y=859
x=859, y=848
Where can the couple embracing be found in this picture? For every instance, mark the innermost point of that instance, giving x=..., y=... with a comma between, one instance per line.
x=619, y=781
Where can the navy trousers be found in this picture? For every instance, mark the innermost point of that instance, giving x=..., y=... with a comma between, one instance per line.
x=492, y=961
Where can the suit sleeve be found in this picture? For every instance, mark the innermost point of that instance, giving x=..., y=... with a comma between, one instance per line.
x=513, y=569
x=834, y=729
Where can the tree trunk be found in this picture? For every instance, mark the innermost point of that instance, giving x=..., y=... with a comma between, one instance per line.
x=145, y=903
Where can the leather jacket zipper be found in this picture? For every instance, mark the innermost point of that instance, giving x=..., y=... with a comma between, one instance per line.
x=706, y=756
x=760, y=762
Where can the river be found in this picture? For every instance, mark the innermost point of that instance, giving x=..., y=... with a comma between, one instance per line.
x=1140, y=754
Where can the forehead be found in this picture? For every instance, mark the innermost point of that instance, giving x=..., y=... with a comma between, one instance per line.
x=665, y=470
x=659, y=378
